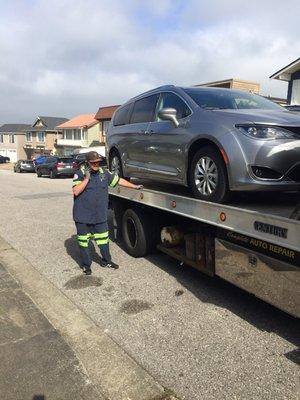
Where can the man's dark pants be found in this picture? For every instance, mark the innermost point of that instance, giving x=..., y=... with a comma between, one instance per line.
x=98, y=232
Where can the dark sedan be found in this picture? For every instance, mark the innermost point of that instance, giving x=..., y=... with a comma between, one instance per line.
x=4, y=160
x=56, y=166
x=24, y=166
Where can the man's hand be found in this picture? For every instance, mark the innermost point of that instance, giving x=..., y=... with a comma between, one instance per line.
x=139, y=187
x=87, y=174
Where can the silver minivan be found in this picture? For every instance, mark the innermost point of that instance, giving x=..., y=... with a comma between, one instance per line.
x=213, y=140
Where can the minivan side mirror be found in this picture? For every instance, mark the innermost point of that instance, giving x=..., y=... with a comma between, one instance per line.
x=169, y=114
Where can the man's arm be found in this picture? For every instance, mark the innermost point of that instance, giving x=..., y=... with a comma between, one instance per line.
x=123, y=182
x=80, y=182
x=80, y=187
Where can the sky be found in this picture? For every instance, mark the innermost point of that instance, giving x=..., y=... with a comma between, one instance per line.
x=68, y=57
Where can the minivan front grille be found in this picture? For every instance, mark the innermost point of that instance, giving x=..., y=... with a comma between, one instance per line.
x=294, y=174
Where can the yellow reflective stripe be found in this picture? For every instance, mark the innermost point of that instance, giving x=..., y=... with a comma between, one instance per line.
x=102, y=241
x=75, y=183
x=114, y=181
x=101, y=235
x=83, y=237
x=83, y=244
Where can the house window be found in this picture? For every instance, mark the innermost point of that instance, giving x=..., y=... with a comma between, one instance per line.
x=105, y=125
x=69, y=134
x=41, y=136
x=1, y=138
x=77, y=134
x=28, y=137
x=11, y=138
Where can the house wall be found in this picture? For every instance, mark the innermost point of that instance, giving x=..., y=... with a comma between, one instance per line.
x=294, y=76
x=13, y=150
x=93, y=134
x=246, y=86
x=37, y=147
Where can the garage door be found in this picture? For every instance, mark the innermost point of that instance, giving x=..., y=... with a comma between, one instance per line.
x=12, y=154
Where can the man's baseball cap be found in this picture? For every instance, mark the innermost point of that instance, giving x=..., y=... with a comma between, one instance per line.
x=92, y=156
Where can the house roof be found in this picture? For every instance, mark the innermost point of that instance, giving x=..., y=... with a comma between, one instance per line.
x=105, y=112
x=80, y=121
x=225, y=81
x=7, y=128
x=50, y=123
x=284, y=74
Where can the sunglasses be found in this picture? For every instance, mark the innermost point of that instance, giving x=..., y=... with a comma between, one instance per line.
x=94, y=162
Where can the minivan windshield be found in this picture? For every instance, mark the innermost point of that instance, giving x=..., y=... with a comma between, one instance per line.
x=230, y=99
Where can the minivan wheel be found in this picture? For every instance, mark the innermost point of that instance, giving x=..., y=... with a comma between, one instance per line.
x=208, y=176
x=115, y=164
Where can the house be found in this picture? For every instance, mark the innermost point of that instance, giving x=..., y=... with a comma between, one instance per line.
x=79, y=132
x=232, y=83
x=12, y=140
x=41, y=137
x=104, y=115
x=290, y=74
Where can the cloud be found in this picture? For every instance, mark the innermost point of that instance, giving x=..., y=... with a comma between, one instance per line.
x=69, y=57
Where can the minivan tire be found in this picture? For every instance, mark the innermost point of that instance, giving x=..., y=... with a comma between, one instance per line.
x=221, y=193
x=116, y=155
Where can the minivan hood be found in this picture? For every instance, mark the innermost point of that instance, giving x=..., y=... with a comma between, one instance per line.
x=272, y=117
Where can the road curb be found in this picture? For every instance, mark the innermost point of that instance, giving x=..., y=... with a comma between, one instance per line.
x=113, y=372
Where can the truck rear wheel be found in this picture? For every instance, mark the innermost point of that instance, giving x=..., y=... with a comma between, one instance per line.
x=138, y=234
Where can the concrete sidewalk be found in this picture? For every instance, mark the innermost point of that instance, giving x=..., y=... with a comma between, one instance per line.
x=50, y=349
x=35, y=360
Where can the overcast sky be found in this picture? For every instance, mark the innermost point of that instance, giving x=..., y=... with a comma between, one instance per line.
x=68, y=57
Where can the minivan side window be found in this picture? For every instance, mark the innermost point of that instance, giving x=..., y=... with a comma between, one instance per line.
x=122, y=115
x=171, y=100
x=144, y=109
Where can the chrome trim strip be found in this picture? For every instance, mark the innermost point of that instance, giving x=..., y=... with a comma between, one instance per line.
x=151, y=169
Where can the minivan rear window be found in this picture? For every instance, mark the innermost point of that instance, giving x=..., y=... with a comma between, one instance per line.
x=144, y=109
x=122, y=115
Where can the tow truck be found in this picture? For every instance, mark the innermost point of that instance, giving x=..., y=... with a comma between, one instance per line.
x=254, y=244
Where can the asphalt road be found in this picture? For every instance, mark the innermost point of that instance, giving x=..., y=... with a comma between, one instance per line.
x=201, y=337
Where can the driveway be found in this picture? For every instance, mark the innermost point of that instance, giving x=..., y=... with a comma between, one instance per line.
x=201, y=337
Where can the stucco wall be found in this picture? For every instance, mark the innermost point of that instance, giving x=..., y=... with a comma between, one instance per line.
x=93, y=134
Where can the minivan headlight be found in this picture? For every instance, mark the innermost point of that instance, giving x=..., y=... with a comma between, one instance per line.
x=266, y=132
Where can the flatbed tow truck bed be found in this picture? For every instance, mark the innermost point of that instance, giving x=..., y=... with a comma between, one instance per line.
x=254, y=242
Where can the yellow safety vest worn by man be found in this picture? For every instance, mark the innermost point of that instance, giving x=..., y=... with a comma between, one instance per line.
x=90, y=189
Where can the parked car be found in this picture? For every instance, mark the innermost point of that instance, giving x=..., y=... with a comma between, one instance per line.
x=40, y=159
x=24, y=166
x=4, y=160
x=213, y=140
x=56, y=166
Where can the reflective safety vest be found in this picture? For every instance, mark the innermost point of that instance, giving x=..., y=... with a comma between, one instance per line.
x=91, y=206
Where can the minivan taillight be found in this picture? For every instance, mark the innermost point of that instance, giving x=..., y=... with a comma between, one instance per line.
x=59, y=164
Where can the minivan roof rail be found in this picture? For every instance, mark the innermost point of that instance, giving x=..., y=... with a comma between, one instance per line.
x=151, y=90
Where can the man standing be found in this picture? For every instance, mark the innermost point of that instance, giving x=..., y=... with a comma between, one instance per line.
x=90, y=189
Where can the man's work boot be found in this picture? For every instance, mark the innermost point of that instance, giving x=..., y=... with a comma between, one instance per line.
x=87, y=270
x=109, y=264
